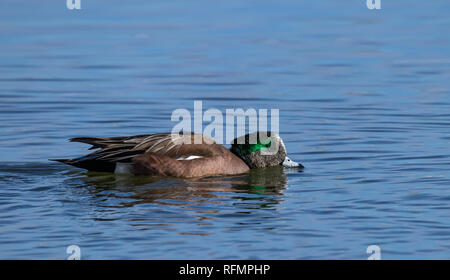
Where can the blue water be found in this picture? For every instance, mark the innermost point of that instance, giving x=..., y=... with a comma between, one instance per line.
x=364, y=99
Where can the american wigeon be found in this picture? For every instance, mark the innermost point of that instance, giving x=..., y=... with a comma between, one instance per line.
x=186, y=155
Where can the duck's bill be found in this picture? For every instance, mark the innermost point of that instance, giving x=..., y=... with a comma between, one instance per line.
x=290, y=163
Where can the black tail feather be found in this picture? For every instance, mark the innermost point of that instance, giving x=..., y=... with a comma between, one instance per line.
x=91, y=165
x=63, y=160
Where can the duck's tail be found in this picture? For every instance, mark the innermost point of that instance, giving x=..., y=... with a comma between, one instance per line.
x=63, y=160
x=89, y=164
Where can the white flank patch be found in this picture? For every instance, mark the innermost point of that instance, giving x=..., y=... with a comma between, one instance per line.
x=189, y=157
x=123, y=168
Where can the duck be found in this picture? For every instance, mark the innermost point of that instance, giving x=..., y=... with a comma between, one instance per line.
x=181, y=155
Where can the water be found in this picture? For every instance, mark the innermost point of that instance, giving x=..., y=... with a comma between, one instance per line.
x=364, y=105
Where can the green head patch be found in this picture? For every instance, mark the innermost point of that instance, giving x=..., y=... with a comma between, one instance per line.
x=258, y=146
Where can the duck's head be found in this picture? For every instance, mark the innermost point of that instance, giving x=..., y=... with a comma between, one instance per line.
x=262, y=149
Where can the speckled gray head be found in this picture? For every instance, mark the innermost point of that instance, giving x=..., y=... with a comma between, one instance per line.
x=262, y=149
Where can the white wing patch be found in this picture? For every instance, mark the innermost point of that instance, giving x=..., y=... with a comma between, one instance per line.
x=189, y=157
x=123, y=168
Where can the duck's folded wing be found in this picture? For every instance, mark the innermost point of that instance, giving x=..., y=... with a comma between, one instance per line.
x=103, y=142
x=111, y=150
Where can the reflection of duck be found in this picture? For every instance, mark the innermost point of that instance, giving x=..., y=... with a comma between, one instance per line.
x=160, y=190
x=173, y=155
x=261, y=180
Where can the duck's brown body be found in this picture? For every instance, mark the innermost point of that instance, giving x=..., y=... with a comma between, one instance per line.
x=160, y=154
x=215, y=160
